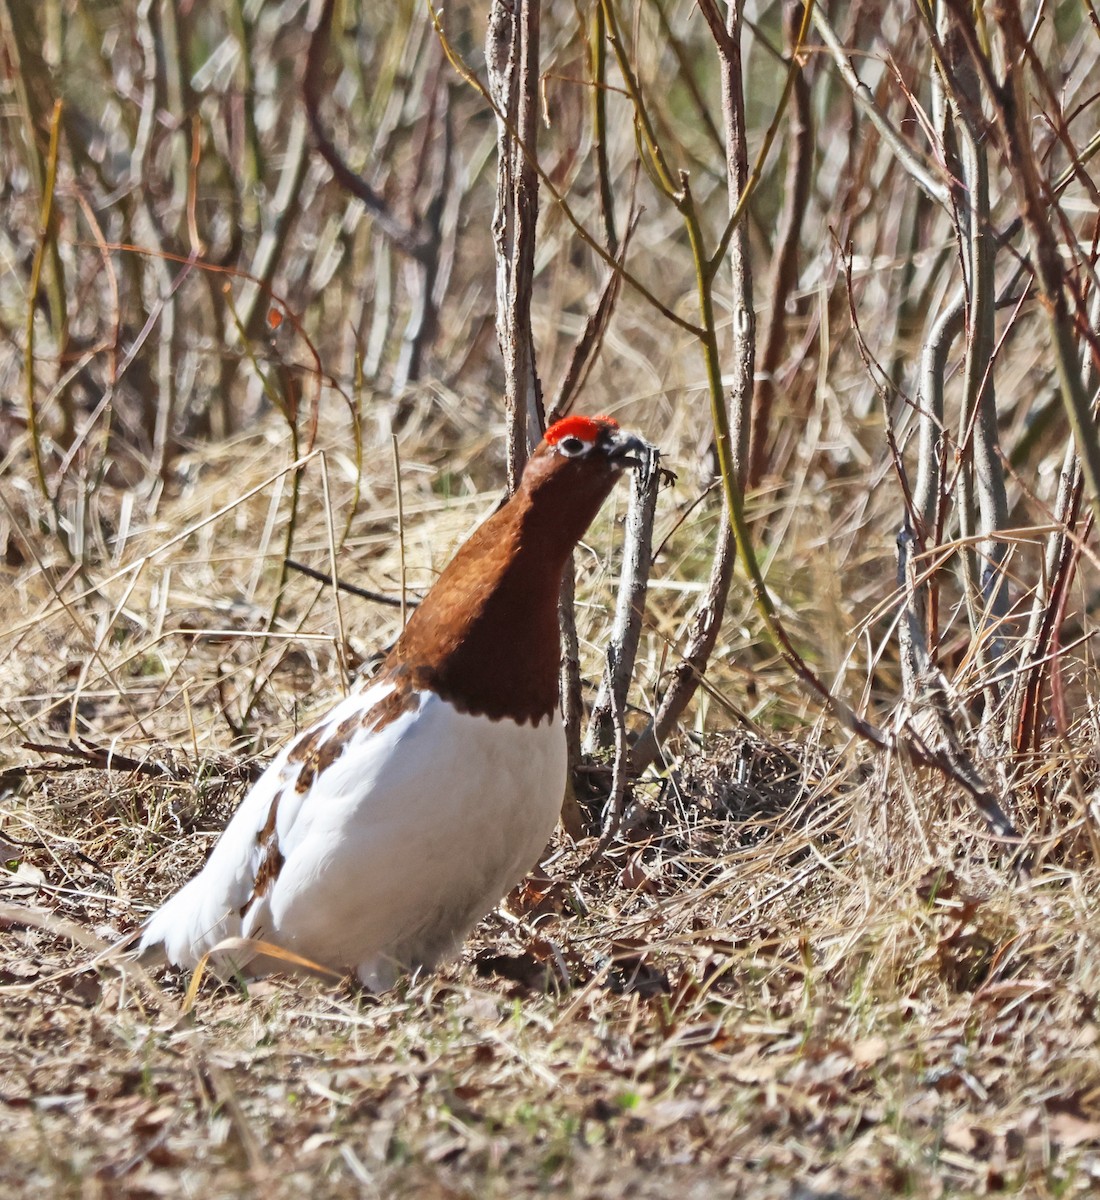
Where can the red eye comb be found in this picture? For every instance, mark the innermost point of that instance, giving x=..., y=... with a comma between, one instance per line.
x=588, y=429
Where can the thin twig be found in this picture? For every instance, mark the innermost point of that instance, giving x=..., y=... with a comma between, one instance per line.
x=45, y=235
x=398, y=491
x=547, y=182
x=351, y=588
x=783, y=274
x=407, y=239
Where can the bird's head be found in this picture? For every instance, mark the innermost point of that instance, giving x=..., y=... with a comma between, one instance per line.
x=588, y=453
x=572, y=471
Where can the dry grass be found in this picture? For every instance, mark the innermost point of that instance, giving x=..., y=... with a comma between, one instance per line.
x=797, y=973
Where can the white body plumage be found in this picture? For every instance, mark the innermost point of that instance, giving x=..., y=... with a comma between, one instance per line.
x=385, y=856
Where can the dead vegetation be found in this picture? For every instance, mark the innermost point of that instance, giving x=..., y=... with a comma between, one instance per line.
x=250, y=269
x=792, y=1004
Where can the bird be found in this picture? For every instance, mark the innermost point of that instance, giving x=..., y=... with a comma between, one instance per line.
x=380, y=835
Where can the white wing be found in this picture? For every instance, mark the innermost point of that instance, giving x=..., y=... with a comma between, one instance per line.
x=390, y=852
x=211, y=906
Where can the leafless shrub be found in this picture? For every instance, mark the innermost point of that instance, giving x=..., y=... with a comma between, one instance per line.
x=840, y=265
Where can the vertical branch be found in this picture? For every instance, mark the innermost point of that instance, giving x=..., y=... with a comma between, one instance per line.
x=982, y=474
x=912, y=645
x=398, y=232
x=512, y=59
x=252, y=158
x=630, y=606
x=31, y=82
x=581, y=359
x=784, y=268
x=598, y=45
x=421, y=240
x=421, y=324
x=737, y=176
x=732, y=416
x=701, y=640
x=919, y=616
x=1062, y=551
x=46, y=239
x=930, y=412
x=1033, y=193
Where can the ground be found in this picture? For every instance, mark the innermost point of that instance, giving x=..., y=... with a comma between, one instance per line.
x=744, y=997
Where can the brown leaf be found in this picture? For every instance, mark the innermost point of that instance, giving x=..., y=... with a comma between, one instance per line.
x=1070, y=1129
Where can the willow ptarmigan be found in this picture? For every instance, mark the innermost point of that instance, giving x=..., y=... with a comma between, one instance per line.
x=380, y=835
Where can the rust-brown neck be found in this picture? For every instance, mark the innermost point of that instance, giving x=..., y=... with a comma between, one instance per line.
x=485, y=637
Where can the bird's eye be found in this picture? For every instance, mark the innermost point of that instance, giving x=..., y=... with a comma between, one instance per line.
x=572, y=446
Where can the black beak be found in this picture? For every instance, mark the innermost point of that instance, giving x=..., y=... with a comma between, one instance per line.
x=628, y=450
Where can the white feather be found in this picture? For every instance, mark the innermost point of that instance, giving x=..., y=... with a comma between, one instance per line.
x=393, y=853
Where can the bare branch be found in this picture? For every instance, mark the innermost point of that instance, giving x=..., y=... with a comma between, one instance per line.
x=626, y=629
x=926, y=175
x=512, y=60
x=405, y=238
